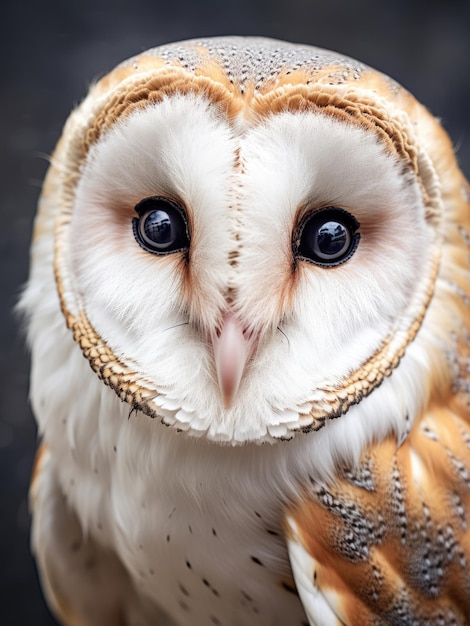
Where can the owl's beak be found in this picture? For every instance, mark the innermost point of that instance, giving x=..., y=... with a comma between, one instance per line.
x=232, y=349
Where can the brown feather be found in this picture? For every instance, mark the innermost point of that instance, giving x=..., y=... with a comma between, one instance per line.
x=391, y=537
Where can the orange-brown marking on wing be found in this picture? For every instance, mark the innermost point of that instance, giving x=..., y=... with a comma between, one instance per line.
x=391, y=537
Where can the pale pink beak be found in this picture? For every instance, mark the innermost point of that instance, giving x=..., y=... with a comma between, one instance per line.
x=232, y=350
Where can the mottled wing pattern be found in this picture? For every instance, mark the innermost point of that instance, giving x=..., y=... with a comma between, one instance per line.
x=389, y=542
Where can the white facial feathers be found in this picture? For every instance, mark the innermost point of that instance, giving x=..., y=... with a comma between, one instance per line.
x=245, y=189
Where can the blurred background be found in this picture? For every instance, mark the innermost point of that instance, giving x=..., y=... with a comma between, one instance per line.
x=53, y=49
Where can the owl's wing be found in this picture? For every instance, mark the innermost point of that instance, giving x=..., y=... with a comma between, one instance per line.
x=389, y=542
x=85, y=583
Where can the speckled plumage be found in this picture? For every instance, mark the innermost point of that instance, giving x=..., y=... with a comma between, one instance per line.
x=362, y=516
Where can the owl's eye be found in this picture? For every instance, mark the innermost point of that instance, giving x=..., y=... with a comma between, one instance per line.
x=327, y=237
x=161, y=227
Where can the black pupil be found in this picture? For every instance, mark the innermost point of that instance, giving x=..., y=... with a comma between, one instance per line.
x=328, y=237
x=158, y=228
x=161, y=226
x=332, y=238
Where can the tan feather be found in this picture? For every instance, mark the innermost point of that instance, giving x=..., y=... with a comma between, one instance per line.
x=391, y=537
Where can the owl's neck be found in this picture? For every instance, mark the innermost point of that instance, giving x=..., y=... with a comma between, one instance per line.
x=100, y=447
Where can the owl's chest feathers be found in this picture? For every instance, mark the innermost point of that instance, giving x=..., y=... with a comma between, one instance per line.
x=209, y=540
x=198, y=526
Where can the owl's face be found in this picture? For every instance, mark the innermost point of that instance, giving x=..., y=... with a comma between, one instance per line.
x=243, y=264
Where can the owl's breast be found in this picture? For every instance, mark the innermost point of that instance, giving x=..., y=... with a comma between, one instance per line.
x=198, y=525
x=214, y=556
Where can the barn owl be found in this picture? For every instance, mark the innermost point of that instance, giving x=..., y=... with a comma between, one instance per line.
x=262, y=251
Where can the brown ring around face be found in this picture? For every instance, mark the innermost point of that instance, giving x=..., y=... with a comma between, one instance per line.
x=353, y=106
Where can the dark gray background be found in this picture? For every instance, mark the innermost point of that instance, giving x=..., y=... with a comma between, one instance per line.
x=54, y=48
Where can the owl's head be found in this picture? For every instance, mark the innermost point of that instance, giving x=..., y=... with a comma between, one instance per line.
x=247, y=236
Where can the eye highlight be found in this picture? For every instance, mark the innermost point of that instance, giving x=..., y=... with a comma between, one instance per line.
x=162, y=226
x=327, y=237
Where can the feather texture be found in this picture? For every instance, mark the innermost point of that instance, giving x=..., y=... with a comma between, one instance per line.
x=389, y=540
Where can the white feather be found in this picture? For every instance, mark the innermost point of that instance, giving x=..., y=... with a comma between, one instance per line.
x=314, y=600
